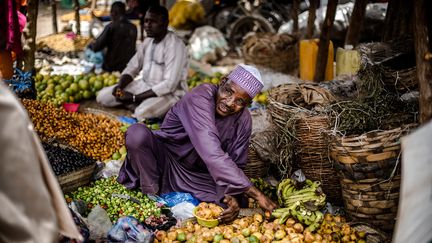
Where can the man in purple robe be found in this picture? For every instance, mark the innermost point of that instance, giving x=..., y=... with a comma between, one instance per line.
x=201, y=147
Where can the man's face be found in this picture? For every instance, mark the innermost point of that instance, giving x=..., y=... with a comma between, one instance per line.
x=231, y=98
x=154, y=25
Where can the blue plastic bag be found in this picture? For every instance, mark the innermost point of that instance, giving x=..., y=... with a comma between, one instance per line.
x=129, y=229
x=173, y=198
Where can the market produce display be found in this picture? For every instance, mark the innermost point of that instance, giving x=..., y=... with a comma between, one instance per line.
x=96, y=136
x=117, y=200
x=60, y=89
x=208, y=210
x=64, y=160
x=63, y=42
x=257, y=229
x=302, y=203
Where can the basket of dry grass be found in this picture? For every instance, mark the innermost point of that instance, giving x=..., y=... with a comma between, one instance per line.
x=287, y=99
x=255, y=167
x=312, y=152
x=374, y=201
x=276, y=51
x=371, y=155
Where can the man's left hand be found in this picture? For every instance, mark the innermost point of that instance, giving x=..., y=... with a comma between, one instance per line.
x=232, y=211
x=126, y=98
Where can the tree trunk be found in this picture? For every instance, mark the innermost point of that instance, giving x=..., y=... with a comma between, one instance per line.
x=54, y=15
x=29, y=34
x=423, y=46
x=399, y=21
x=77, y=16
x=294, y=14
x=311, y=19
x=324, y=40
x=356, y=23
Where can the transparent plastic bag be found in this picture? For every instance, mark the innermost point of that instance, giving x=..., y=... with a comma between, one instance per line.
x=129, y=229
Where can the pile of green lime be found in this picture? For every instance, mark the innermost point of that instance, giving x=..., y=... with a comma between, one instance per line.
x=198, y=79
x=59, y=89
x=116, y=200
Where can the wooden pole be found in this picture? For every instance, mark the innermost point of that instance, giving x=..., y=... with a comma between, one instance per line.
x=356, y=23
x=399, y=20
x=311, y=19
x=294, y=14
x=77, y=17
x=324, y=40
x=29, y=34
x=423, y=46
x=54, y=15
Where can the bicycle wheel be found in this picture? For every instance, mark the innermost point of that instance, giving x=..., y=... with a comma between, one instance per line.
x=245, y=25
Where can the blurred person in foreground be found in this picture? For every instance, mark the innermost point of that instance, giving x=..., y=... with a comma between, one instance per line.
x=33, y=208
x=118, y=38
x=201, y=147
x=163, y=63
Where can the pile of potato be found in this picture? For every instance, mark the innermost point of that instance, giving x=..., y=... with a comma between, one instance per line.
x=257, y=229
x=208, y=210
x=96, y=136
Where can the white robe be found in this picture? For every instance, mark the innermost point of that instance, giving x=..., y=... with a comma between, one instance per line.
x=161, y=67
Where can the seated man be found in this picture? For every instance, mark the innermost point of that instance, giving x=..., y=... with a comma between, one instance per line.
x=162, y=60
x=119, y=38
x=202, y=145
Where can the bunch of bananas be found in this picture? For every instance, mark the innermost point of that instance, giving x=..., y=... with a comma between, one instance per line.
x=264, y=187
x=311, y=192
x=298, y=210
x=303, y=203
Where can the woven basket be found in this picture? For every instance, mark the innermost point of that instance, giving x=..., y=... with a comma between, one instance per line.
x=312, y=151
x=71, y=181
x=374, y=201
x=402, y=80
x=371, y=155
x=255, y=167
x=287, y=99
x=281, y=55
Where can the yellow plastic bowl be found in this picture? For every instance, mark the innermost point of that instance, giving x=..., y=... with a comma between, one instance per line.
x=209, y=223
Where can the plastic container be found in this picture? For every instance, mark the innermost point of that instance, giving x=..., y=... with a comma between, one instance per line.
x=209, y=223
x=308, y=57
x=347, y=62
x=71, y=107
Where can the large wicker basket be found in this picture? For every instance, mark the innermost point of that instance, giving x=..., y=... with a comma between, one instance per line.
x=276, y=51
x=374, y=201
x=255, y=167
x=371, y=155
x=287, y=99
x=313, y=154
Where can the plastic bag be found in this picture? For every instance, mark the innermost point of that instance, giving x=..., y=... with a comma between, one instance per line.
x=99, y=223
x=173, y=198
x=82, y=227
x=22, y=84
x=183, y=210
x=128, y=229
x=207, y=44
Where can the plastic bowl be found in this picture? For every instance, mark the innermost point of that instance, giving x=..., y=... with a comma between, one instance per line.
x=209, y=223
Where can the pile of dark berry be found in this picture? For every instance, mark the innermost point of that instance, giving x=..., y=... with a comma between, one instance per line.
x=65, y=160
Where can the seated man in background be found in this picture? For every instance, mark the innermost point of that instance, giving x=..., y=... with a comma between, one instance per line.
x=163, y=62
x=119, y=38
x=201, y=147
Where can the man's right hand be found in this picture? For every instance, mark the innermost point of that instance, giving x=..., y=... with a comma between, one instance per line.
x=125, y=79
